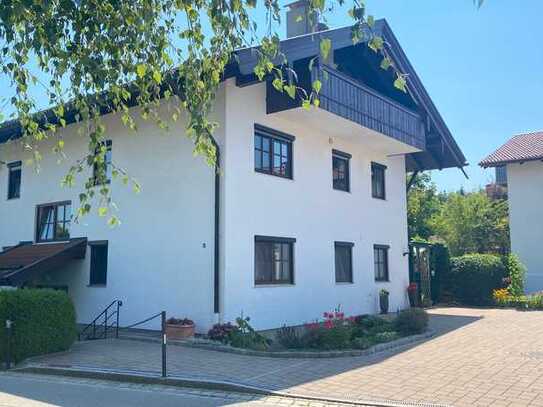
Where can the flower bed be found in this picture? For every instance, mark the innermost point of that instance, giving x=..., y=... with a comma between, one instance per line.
x=334, y=332
x=503, y=298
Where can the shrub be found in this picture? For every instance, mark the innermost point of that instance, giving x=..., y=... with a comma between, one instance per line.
x=411, y=321
x=473, y=277
x=363, y=342
x=516, y=272
x=43, y=322
x=221, y=332
x=289, y=337
x=246, y=337
x=334, y=333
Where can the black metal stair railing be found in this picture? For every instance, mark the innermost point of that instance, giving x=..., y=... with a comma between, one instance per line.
x=107, y=320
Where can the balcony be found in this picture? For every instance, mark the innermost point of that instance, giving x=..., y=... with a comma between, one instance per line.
x=356, y=102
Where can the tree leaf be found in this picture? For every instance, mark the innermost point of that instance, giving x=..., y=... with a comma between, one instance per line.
x=325, y=47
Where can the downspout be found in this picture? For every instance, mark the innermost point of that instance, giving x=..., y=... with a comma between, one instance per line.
x=216, y=277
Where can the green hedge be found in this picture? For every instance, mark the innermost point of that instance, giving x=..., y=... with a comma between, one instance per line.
x=473, y=277
x=43, y=322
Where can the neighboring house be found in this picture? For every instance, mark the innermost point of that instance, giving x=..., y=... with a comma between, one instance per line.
x=307, y=214
x=522, y=156
x=498, y=189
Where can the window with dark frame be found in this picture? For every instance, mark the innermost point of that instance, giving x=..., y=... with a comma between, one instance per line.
x=380, y=259
x=98, y=266
x=53, y=222
x=344, y=262
x=274, y=260
x=102, y=171
x=14, y=180
x=340, y=170
x=378, y=184
x=273, y=152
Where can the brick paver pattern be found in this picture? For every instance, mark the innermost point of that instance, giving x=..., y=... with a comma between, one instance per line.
x=478, y=357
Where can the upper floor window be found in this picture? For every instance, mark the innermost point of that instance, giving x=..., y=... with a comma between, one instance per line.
x=53, y=221
x=14, y=180
x=378, y=183
x=344, y=262
x=102, y=170
x=273, y=152
x=380, y=261
x=340, y=170
x=98, y=266
x=274, y=260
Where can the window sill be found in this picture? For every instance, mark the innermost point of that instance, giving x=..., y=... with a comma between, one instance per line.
x=382, y=281
x=274, y=285
x=379, y=198
x=13, y=198
x=97, y=285
x=342, y=190
x=274, y=175
x=345, y=283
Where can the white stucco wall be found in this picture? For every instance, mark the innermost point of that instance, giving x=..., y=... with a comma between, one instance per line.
x=157, y=259
x=309, y=209
x=525, y=191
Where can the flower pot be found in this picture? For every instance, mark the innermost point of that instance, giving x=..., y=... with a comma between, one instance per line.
x=383, y=303
x=178, y=331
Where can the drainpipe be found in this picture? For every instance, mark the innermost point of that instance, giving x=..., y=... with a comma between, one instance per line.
x=216, y=277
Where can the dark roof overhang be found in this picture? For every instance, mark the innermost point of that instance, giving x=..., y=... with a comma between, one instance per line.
x=26, y=262
x=441, y=151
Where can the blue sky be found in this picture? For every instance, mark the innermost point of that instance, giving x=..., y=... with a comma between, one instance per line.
x=482, y=68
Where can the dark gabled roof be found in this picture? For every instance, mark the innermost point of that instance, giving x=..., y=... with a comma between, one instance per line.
x=522, y=147
x=27, y=261
x=442, y=150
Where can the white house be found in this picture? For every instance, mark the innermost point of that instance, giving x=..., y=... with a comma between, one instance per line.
x=522, y=156
x=308, y=211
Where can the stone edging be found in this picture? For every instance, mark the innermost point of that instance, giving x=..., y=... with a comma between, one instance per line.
x=214, y=346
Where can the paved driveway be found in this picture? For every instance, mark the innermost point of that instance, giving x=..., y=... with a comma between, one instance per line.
x=479, y=357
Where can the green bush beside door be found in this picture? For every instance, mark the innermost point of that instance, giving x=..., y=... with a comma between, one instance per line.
x=44, y=321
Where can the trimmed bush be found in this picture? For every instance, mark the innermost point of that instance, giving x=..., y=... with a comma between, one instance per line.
x=411, y=321
x=516, y=272
x=473, y=278
x=43, y=322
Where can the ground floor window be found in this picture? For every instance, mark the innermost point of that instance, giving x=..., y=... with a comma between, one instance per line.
x=274, y=260
x=380, y=259
x=344, y=262
x=98, y=267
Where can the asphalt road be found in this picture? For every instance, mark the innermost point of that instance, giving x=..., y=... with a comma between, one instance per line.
x=28, y=390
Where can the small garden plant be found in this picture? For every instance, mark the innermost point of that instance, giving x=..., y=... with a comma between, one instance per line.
x=334, y=331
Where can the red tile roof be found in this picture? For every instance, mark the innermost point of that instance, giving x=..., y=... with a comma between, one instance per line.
x=522, y=147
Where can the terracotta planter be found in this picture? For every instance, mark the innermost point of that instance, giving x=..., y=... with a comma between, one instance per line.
x=177, y=331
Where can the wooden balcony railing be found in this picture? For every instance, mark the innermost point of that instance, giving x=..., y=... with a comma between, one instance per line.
x=354, y=101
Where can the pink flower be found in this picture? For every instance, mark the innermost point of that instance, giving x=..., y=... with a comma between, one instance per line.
x=325, y=314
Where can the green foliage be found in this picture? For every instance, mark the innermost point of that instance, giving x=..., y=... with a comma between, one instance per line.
x=411, y=321
x=422, y=205
x=324, y=338
x=472, y=223
x=465, y=222
x=43, y=322
x=474, y=277
x=246, y=337
x=516, y=272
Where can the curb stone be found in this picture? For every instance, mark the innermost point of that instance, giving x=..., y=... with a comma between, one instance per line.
x=178, y=381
